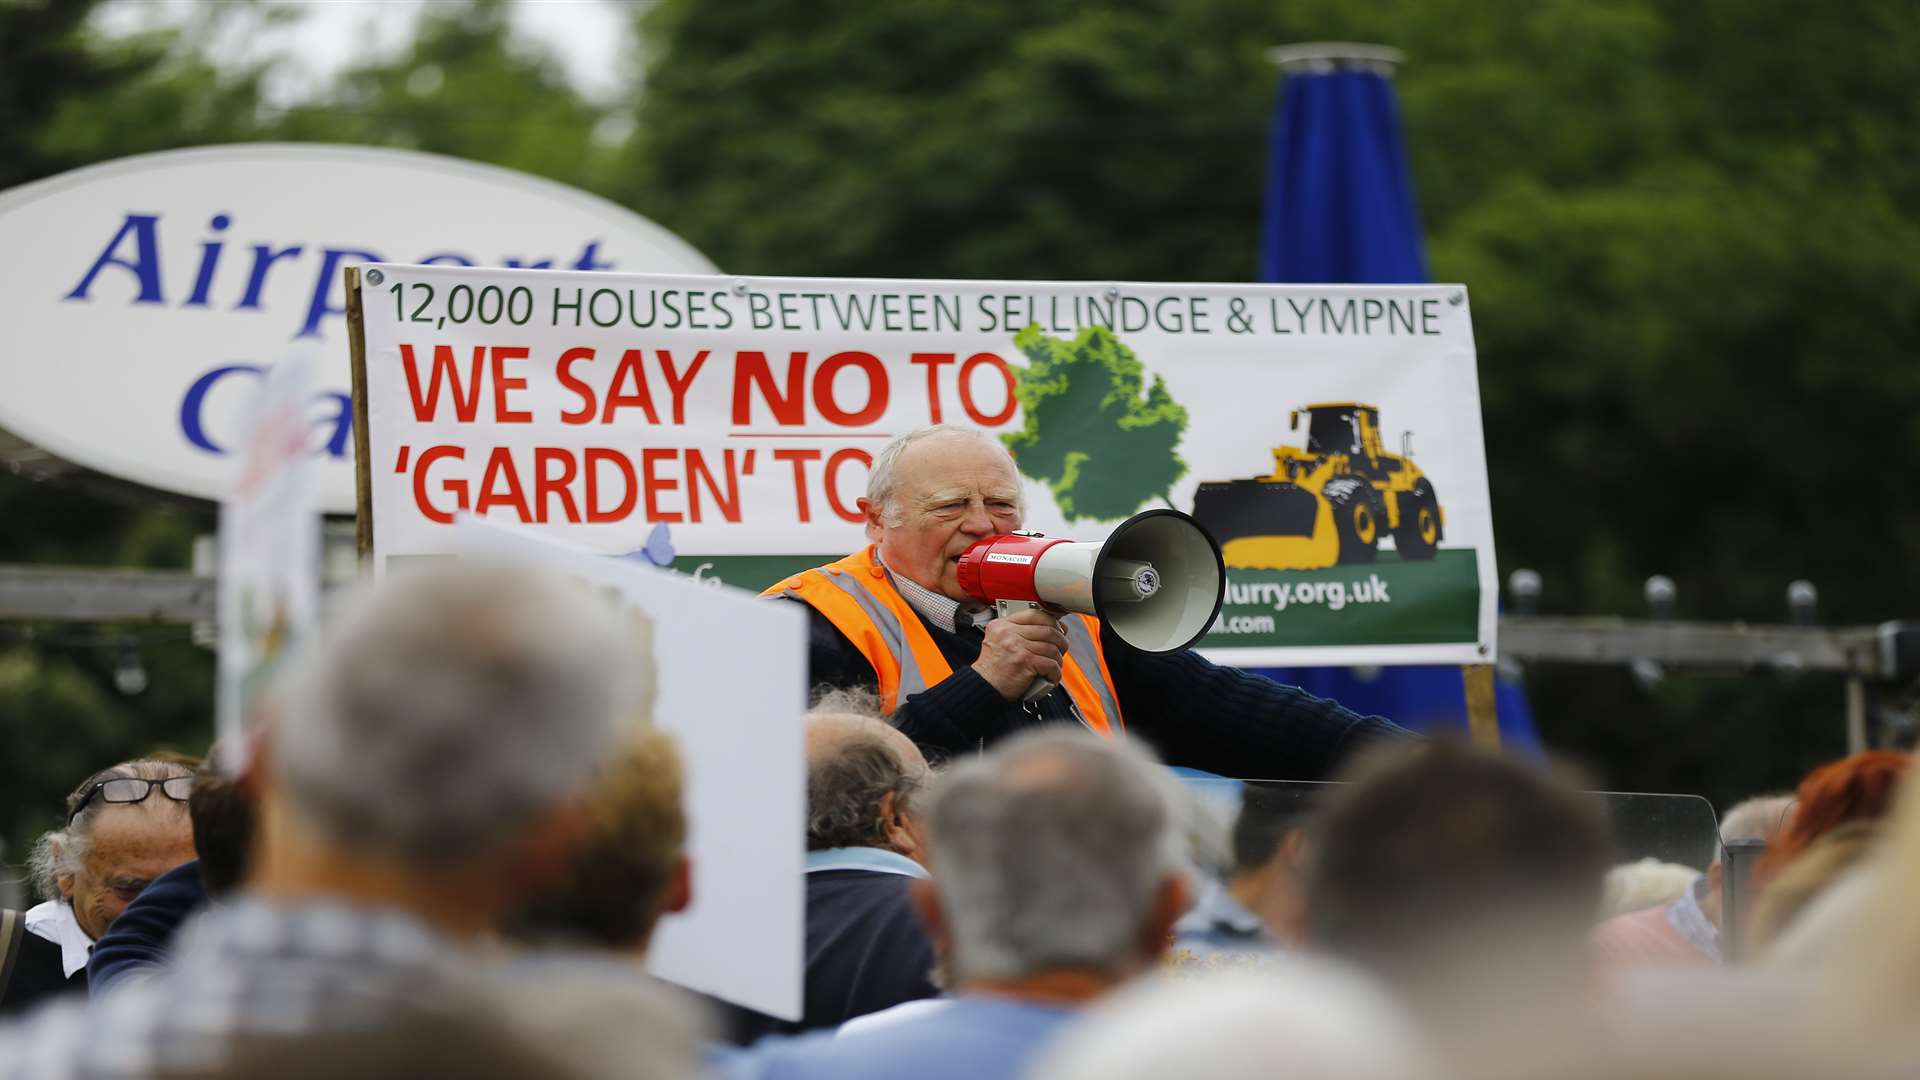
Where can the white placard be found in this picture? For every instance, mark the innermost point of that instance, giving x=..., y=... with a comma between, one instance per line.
x=269, y=598
x=732, y=689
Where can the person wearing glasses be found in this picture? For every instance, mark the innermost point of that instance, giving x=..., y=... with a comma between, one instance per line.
x=126, y=825
x=430, y=768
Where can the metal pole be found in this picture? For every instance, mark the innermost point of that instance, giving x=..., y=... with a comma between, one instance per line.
x=1736, y=896
x=1856, y=714
x=78, y=594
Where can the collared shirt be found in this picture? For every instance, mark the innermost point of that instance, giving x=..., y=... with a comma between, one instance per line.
x=250, y=968
x=942, y=611
x=1218, y=923
x=1691, y=920
x=962, y=1038
x=872, y=859
x=54, y=920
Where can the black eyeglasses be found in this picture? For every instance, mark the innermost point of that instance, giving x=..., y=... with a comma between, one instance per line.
x=132, y=789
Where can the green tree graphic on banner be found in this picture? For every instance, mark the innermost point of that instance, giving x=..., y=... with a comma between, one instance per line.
x=1090, y=436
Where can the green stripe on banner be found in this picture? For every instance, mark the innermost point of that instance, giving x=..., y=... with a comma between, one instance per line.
x=1389, y=602
x=751, y=572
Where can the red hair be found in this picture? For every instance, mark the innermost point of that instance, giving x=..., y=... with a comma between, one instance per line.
x=1859, y=787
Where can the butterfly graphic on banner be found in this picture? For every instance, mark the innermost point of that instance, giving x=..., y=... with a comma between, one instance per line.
x=657, y=551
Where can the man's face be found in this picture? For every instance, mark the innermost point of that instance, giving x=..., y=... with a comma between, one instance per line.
x=949, y=491
x=131, y=844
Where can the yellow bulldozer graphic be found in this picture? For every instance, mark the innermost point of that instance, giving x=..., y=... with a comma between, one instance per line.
x=1327, y=504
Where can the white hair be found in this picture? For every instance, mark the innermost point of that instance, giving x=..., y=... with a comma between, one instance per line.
x=1757, y=818
x=450, y=706
x=1052, y=850
x=880, y=486
x=1295, y=1017
x=1636, y=886
x=63, y=851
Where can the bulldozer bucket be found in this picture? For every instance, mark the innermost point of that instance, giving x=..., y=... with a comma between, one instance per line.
x=1267, y=524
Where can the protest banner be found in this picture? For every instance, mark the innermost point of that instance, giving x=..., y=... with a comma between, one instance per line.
x=1328, y=436
x=741, y=743
x=269, y=596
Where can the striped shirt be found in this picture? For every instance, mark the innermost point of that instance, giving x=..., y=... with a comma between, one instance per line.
x=250, y=968
x=937, y=608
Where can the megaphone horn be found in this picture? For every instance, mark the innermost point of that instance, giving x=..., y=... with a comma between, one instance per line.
x=1157, y=581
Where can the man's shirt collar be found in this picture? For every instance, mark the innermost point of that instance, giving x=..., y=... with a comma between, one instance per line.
x=872, y=859
x=1690, y=919
x=942, y=611
x=54, y=920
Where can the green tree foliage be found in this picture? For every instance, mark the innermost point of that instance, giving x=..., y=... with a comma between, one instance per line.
x=1686, y=227
x=71, y=96
x=57, y=697
x=956, y=138
x=1089, y=436
x=465, y=87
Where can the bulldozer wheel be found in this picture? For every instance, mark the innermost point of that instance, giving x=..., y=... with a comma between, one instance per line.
x=1418, y=536
x=1356, y=518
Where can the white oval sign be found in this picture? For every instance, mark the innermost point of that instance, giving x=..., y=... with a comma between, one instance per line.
x=144, y=298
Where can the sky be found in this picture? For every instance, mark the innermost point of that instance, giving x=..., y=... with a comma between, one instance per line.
x=593, y=37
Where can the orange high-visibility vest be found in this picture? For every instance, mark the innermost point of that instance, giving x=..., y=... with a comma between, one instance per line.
x=858, y=598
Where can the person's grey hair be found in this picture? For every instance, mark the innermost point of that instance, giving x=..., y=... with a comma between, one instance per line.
x=1643, y=884
x=1757, y=818
x=449, y=707
x=64, y=850
x=850, y=775
x=1050, y=852
x=880, y=486
x=846, y=701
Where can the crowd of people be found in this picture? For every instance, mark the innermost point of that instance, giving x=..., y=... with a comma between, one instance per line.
x=459, y=825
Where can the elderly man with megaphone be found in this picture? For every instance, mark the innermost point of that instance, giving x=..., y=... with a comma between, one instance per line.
x=970, y=630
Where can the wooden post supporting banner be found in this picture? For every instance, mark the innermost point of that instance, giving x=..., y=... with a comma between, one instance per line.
x=362, y=452
x=1483, y=721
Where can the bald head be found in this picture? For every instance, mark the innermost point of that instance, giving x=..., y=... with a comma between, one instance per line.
x=831, y=734
x=118, y=838
x=863, y=777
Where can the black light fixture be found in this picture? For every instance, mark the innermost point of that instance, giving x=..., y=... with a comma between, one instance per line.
x=1662, y=596
x=1803, y=603
x=1523, y=591
x=129, y=668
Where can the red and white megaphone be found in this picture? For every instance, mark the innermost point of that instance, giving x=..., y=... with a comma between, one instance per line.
x=1157, y=580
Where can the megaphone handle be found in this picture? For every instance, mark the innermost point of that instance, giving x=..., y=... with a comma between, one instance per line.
x=1039, y=688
